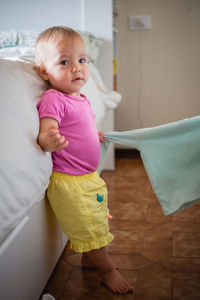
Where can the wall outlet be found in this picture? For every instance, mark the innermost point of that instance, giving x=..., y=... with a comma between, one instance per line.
x=139, y=22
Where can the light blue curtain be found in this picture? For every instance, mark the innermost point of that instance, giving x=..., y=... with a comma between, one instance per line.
x=171, y=157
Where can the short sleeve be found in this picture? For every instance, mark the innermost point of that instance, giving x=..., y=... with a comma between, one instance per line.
x=52, y=105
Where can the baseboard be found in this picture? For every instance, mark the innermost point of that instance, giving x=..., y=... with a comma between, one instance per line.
x=127, y=153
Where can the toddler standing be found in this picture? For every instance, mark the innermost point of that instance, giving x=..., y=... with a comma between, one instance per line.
x=77, y=194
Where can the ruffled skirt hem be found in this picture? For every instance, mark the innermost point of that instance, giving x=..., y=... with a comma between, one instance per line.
x=82, y=246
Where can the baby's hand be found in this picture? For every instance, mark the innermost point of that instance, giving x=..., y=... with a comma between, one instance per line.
x=101, y=137
x=52, y=140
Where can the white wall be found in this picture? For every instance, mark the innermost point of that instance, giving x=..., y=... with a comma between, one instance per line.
x=158, y=69
x=37, y=15
x=90, y=15
x=99, y=22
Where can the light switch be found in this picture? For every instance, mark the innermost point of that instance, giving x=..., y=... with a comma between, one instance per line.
x=139, y=22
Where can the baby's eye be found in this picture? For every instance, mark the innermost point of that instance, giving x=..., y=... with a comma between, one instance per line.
x=64, y=62
x=83, y=60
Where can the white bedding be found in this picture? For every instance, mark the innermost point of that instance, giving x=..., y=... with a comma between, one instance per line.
x=24, y=168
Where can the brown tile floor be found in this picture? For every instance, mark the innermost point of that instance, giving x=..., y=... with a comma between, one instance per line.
x=158, y=255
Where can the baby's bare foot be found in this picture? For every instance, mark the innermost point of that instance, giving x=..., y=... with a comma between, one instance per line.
x=115, y=282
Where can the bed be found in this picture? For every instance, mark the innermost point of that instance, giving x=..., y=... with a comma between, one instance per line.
x=31, y=240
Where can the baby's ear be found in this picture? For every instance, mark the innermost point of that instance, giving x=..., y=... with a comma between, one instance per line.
x=42, y=72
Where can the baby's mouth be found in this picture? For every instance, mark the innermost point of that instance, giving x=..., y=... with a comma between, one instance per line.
x=77, y=79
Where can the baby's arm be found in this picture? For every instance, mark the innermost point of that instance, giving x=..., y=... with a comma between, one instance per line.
x=49, y=137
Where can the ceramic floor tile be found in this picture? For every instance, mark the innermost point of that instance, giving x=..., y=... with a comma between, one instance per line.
x=131, y=262
x=134, y=192
x=157, y=244
x=179, y=264
x=81, y=284
x=154, y=283
x=177, y=226
x=127, y=184
x=190, y=214
x=186, y=287
x=156, y=215
x=130, y=166
x=137, y=197
x=186, y=244
x=127, y=225
x=126, y=242
x=129, y=211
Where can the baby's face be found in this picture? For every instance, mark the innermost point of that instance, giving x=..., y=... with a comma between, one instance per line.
x=67, y=65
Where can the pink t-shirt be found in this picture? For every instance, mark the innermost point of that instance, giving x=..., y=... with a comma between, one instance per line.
x=77, y=123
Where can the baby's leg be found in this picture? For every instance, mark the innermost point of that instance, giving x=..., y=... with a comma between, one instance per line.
x=110, y=275
x=86, y=262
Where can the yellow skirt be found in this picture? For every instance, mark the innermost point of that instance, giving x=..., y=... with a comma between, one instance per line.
x=80, y=206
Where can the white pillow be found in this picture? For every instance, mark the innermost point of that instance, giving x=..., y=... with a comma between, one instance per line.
x=24, y=168
x=18, y=53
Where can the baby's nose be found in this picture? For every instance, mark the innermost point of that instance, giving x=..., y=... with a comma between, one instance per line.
x=75, y=68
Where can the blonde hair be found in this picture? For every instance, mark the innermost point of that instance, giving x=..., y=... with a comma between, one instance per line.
x=48, y=35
